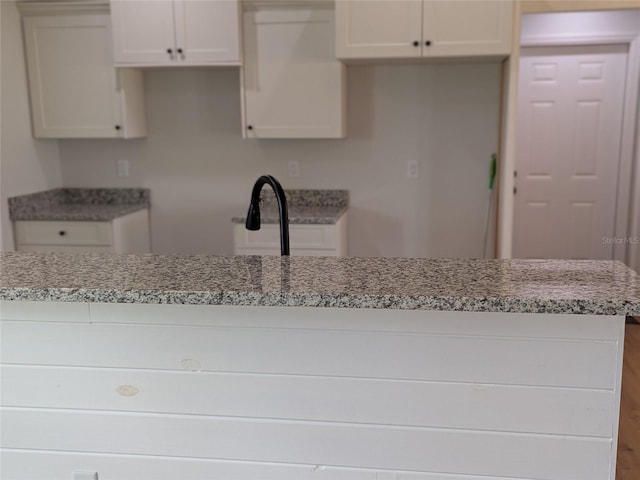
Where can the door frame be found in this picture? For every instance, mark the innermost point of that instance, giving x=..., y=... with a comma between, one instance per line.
x=627, y=222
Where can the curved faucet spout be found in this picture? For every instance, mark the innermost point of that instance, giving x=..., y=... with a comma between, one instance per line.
x=253, y=215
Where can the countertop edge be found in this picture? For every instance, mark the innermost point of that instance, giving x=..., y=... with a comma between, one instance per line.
x=321, y=219
x=90, y=216
x=274, y=299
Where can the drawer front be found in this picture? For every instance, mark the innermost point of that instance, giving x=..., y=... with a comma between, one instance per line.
x=64, y=248
x=63, y=233
x=301, y=237
x=295, y=252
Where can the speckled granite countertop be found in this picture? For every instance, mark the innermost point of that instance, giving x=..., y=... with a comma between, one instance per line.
x=79, y=204
x=304, y=206
x=530, y=286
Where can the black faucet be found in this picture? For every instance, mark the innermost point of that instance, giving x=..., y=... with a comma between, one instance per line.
x=253, y=215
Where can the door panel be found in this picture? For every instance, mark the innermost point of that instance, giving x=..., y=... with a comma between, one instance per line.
x=142, y=31
x=292, y=84
x=71, y=78
x=378, y=28
x=467, y=27
x=207, y=31
x=568, y=151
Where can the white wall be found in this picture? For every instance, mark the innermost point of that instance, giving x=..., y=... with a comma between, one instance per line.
x=200, y=171
x=26, y=165
x=579, y=24
x=531, y=6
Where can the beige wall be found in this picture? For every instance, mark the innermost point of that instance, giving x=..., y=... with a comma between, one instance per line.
x=539, y=6
x=26, y=165
x=200, y=170
x=568, y=25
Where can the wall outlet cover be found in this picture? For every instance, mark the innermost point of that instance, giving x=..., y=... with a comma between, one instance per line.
x=294, y=168
x=413, y=171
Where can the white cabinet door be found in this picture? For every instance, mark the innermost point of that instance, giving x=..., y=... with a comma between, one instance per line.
x=207, y=31
x=175, y=32
x=378, y=29
x=429, y=28
x=75, y=91
x=467, y=27
x=143, y=31
x=292, y=85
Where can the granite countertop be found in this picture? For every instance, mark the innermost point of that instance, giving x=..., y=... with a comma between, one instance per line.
x=79, y=204
x=529, y=286
x=304, y=206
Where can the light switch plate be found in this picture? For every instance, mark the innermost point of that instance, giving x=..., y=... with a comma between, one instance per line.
x=123, y=167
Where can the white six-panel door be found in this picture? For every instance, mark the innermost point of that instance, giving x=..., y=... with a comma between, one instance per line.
x=570, y=110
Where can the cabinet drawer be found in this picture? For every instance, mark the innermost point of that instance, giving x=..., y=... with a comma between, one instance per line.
x=295, y=252
x=63, y=233
x=64, y=248
x=307, y=237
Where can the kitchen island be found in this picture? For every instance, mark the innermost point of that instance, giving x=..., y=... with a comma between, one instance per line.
x=197, y=367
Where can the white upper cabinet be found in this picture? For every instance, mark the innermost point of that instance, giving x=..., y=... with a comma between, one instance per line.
x=423, y=28
x=143, y=31
x=74, y=89
x=292, y=84
x=176, y=32
x=469, y=27
x=378, y=29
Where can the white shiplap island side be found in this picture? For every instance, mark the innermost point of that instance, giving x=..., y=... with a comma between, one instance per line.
x=234, y=368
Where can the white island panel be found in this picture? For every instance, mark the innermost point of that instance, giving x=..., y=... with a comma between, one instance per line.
x=235, y=392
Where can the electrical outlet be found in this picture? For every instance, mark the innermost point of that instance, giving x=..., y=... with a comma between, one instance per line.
x=294, y=168
x=413, y=170
x=123, y=167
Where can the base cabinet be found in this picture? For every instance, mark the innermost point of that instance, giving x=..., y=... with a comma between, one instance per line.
x=75, y=90
x=305, y=240
x=423, y=28
x=292, y=84
x=125, y=234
